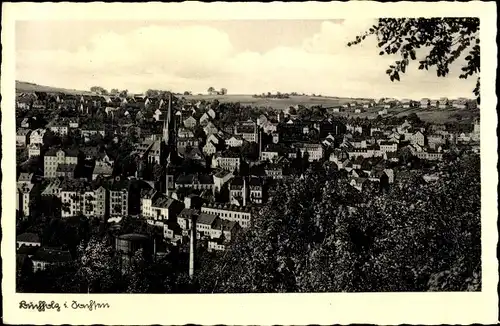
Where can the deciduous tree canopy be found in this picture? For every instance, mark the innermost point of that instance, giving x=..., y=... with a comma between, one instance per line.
x=441, y=41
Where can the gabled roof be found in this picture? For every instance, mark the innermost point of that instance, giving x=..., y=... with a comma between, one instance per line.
x=28, y=237
x=52, y=255
x=206, y=219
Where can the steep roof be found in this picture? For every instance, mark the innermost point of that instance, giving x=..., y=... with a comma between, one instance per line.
x=28, y=237
x=51, y=255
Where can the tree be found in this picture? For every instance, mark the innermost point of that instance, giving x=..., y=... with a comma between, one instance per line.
x=99, y=90
x=97, y=265
x=152, y=93
x=223, y=91
x=446, y=40
x=210, y=89
x=114, y=91
x=123, y=93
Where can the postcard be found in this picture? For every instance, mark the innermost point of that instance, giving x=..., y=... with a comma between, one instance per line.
x=249, y=163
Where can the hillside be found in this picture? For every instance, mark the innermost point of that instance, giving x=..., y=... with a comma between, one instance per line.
x=431, y=115
x=31, y=87
x=273, y=102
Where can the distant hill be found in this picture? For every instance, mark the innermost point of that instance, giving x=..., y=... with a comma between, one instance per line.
x=22, y=87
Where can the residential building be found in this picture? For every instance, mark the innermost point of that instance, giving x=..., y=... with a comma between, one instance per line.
x=221, y=178
x=22, y=137
x=195, y=181
x=28, y=240
x=24, y=194
x=190, y=122
x=164, y=209
x=248, y=130
x=45, y=257
x=102, y=170
x=388, y=146
x=54, y=157
x=242, y=215
x=65, y=170
x=119, y=197
x=36, y=136
x=228, y=160
x=315, y=151
x=234, y=141
x=77, y=197
x=34, y=150
x=210, y=128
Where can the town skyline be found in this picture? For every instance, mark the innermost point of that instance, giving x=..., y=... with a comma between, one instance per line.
x=239, y=59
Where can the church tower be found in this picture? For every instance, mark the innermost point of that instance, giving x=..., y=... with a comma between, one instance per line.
x=169, y=144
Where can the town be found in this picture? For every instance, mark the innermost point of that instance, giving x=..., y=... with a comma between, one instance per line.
x=163, y=172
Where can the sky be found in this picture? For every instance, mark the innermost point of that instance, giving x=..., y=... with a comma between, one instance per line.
x=243, y=56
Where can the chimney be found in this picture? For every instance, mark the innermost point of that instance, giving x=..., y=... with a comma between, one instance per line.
x=260, y=143
x=192, y=246
x=154, y=249
x=244, y=195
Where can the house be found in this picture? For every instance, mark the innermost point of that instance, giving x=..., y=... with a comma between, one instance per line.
x=406, y=103
x=388, y=146
x=45, y=257
x=234, y=141
x=195, y=181
x=271, y=152
x=417, y=138
x=59, y=127
x=242, y=215
x=276, y=137
x=34, y=150
x=28, y=239
x=65, y=170
x=22, y=137
x=77, y=197
x=358, y=183
x=459, y=104
x=184, y=133
x=338, y=155
x=210, y=148
x=227, y=160
x=164, y=208
x=315, y=151
x=382, y=112
x=204, y=223
x=443, y=103
x=54, y=157
x=36, y=137
x=120, y=197
x=204, y=119
x=188, y=142
x=73, y=123
x=269, y=127
x=102, y=170
x=210, y=128
x=221, y=178
x=211, y=114
x=189, y=122
x=247, y=130
x=358, y=110
x=424, y=103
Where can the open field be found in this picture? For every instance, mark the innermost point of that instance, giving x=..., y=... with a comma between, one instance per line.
x=273, y=102
x=430, y=115
x=30, y=87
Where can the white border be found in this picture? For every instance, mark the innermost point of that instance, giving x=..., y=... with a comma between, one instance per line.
x=260, y=309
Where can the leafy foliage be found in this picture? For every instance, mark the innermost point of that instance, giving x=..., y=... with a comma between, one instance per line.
x=318, y=234
x=447, y=39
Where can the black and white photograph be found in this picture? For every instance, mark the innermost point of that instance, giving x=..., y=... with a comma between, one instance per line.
x=248, y=156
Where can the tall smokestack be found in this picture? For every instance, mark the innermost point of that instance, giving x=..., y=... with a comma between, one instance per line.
x=244, y=192
x=260, y=143
x=192, y=246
